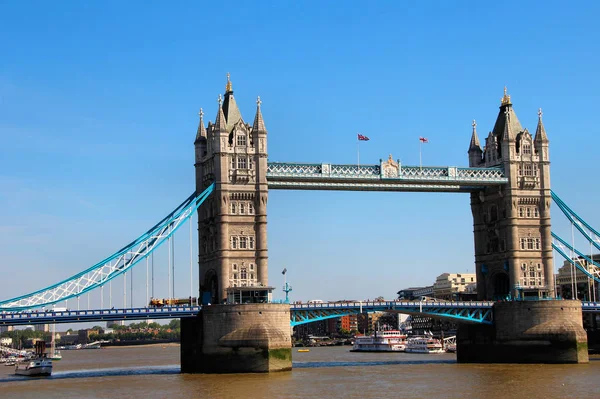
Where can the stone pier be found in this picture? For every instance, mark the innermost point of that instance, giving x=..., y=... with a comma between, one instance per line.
x=250, y=338
x=526, y=332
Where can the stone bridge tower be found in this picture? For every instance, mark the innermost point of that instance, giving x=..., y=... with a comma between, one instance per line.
x=511, y=223
x=232, y=222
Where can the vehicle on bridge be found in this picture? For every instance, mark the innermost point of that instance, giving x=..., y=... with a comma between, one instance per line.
x=160, y=302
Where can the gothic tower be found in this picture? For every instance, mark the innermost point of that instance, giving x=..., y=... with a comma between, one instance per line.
x=232, y=222
x=511, y=223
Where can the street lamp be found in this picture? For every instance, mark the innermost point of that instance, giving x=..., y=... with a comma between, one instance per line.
x=286, y=288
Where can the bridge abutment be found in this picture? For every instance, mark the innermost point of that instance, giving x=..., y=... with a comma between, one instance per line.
x=250, y=338
x=527, y=332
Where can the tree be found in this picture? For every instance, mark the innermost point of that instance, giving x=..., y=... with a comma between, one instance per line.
x=70, y=331
x=175, y=324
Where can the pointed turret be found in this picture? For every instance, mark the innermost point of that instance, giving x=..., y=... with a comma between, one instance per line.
x=259, y=123
x=507, y=124
x=230, y=109
x=540, y=132
x=201, y=133
x=475, y=151
x=220, y=122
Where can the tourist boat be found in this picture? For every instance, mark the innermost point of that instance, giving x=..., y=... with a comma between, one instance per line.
x=424, y=345
x=39, y=365
x=380, y=341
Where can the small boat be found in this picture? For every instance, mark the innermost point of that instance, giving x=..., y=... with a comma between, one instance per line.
x=303, y=350
x=39, y=365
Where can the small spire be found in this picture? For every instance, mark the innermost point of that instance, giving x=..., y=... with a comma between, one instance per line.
x=201, y=133
x=259, y=123
x=474, y=145
x=507, y=133
x=506, y=98
x=540, y=131
x=220, y=122
x=228, y=87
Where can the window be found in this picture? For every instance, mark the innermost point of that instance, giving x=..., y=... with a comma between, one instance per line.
x=242, y=209
x=241, y=163
x=251, y=266
x=526, y=148
x=521, y=212
x=527, y=170
x=234, y=242
x=241, y=139
x=535, y=170
x=530, y=243
x=251, y=245
x=250, y=208
x=535, y=212
x=235, y=267
x=528, y=212
x=523, y=244
x=250, y=163
x=537, y=243
x=232, y=162
x=251, y=276
x=244, y=275
x=233, y=208
x=242, y=242
x=235, y=276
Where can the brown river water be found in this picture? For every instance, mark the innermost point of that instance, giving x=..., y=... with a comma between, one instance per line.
x=328, y=372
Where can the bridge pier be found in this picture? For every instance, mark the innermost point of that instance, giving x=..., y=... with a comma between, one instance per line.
x=249, y=338
x=526, y=332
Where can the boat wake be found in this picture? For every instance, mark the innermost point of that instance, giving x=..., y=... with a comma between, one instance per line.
x=94, y=373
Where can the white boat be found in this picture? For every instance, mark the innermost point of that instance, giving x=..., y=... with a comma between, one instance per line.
x=38, y=366
x=380, y=341
x=424, y=345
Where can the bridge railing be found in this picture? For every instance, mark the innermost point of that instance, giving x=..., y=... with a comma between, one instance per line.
x=441, y=304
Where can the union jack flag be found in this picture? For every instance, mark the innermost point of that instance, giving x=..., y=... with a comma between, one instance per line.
x=423, y=140
x=362, y=138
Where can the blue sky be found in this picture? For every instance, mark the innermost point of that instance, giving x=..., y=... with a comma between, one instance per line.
x=99, y=103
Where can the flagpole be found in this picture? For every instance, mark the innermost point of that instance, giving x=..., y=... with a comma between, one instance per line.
x=358, y=153
x=420, y=162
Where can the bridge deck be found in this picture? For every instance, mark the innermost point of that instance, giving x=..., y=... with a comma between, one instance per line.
x=304, y=176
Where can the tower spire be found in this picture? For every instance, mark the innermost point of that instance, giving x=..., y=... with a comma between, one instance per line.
x=474, y=145
x=201, y=133
x=507, y=134
x=505, y=99
x=228, y=87
x=259, y=123
x=540, y=131
x=220, y=122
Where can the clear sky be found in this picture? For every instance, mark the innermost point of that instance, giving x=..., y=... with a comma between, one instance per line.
x=99, y=103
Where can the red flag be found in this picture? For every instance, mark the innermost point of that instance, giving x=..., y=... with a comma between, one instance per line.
x=362, y=138
x=423, y=140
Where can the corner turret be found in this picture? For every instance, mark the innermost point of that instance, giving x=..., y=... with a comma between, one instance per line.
x=475, y=152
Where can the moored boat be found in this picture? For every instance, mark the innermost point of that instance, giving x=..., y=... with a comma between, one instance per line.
x=380, y=341
x=424, y=345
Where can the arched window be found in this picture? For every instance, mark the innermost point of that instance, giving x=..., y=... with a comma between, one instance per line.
x=241, y=139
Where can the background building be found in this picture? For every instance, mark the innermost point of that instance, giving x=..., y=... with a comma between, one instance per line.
x=450, y=286
x=587, y=288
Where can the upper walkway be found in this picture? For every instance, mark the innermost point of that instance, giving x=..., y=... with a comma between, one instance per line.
x=462, y=312
x=387, y=176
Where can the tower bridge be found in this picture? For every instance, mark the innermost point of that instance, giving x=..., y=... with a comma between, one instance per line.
x=508, y=180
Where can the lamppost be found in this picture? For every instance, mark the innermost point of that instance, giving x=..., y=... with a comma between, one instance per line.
x=286, y=288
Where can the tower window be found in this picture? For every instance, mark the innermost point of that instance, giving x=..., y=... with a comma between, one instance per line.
x=251, y=244
x=521, y=212
x=244, y=274
x=535, y=212
x=233, y=210
x=251, y=276
x=251, y=266
x=234, y=242
x=250, y=208
x=528, y=212
x=242, y=209
x=241, y=163
x=242, y=242
x=527, y=149
x=232, y=162
x=250, y=163
x=241, y=139
x=235, y=267
x=527, y=170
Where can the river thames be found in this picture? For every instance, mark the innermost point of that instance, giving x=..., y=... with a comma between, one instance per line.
x=329, y=372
